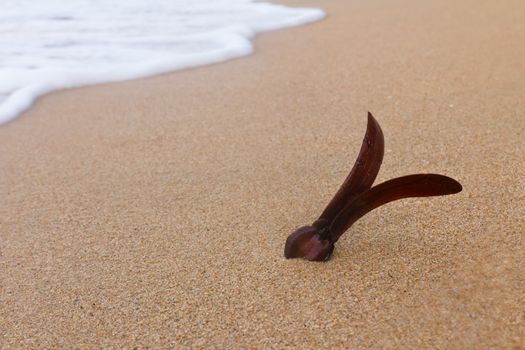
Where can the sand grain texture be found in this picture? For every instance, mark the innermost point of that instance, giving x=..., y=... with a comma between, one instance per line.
x=154, y=213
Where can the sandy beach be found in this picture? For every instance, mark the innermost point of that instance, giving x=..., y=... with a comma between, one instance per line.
x=153, y=213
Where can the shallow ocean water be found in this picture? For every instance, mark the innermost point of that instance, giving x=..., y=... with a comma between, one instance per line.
x=48, y=45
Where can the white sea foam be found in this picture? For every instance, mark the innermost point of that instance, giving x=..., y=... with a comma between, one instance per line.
x=47, y=45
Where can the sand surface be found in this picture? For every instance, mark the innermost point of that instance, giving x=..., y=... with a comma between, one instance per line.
x=154, y=213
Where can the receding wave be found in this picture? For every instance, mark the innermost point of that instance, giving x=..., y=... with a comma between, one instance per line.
x=48, y=45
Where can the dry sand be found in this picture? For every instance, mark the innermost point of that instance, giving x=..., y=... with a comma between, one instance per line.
x=153, y=213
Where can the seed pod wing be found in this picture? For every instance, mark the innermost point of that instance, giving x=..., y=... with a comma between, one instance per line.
x=420, y=185
x=363, y=173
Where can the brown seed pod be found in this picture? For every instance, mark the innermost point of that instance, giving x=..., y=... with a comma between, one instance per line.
x=355, y=198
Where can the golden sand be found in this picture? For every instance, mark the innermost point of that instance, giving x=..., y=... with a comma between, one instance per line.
x=153, y=213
